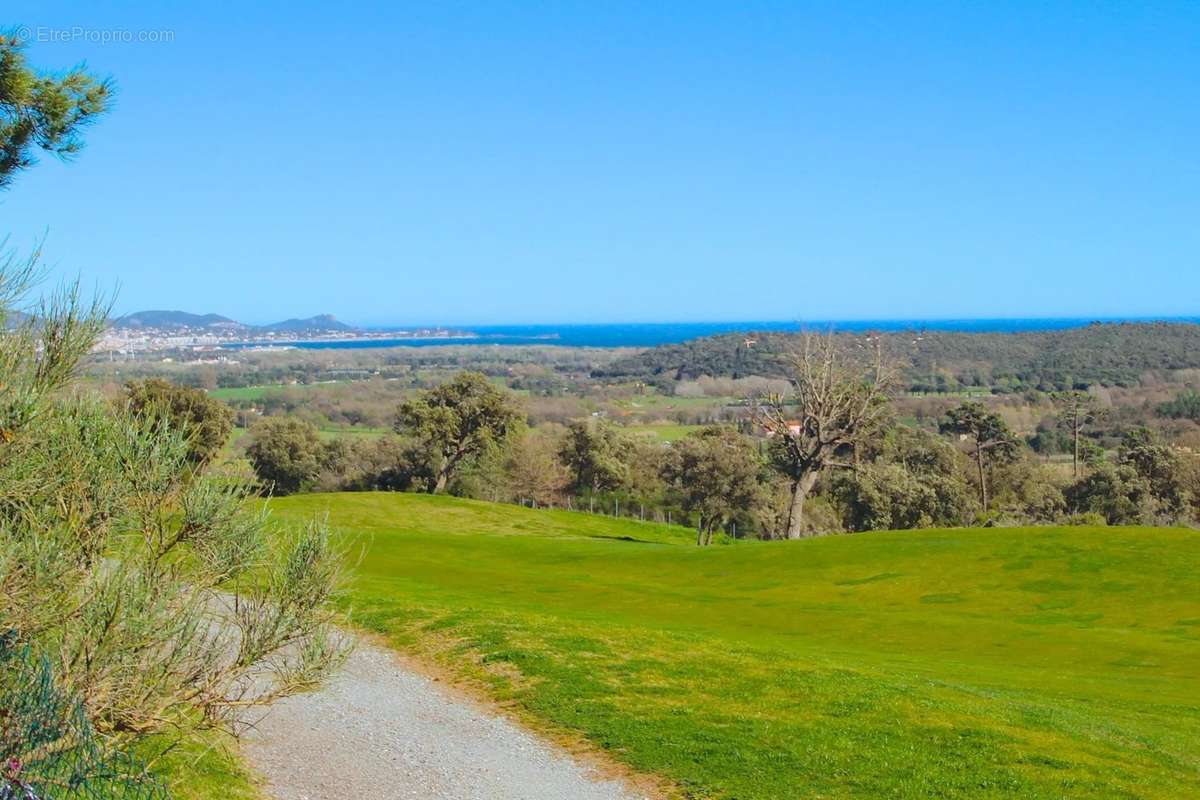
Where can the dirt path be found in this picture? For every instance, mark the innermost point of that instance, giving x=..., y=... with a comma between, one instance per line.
x=381, y=732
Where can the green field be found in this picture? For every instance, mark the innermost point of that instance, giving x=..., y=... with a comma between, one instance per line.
x=1040, y=663
x=246, y=393
x=258, y=392
x=204, y=769
x=663, y=433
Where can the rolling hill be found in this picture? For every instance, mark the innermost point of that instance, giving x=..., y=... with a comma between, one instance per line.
x=321, y=322
x=182, y=320
x=174, y=319
x=1105, y=353
x=1040, y=663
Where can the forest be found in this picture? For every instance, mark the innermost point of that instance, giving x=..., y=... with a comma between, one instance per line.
x=1109, y=354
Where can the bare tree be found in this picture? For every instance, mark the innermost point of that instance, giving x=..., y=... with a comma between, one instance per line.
x=839, y=397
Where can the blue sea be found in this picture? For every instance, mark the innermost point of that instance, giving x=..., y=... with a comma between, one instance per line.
x=651, y=334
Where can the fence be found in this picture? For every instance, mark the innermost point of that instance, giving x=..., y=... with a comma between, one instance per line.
x=48, y=749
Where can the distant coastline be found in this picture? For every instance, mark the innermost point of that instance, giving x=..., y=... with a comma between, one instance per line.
x=652, y=334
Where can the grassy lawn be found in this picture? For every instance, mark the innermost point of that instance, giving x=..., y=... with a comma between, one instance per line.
x=247, y=393
x=257, y=393
x=663, y=433
x=967, y=663
x=205, y=770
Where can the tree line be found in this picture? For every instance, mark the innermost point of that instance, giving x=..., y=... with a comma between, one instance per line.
x=829, y=455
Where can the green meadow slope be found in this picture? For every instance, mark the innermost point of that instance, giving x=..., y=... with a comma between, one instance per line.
x=953, y=663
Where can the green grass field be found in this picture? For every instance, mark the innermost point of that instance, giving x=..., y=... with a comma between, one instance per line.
x=202, y=769
x=247, y=393
x=664, y=432
x=1041, y=663
x=258, y=392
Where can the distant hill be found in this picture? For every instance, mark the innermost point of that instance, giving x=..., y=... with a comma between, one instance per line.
x=1100, y=353
x=181, y=320
x=174, y=319
x=321, y=322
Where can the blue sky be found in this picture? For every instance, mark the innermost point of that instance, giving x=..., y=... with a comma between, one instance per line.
x=459, y=163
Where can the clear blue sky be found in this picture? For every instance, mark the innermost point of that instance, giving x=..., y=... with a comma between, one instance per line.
x=459, y=163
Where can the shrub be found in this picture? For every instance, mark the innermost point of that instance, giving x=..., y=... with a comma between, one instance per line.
x=206, y=420
x=286, y=454
x=48, y=748
x=162, y=602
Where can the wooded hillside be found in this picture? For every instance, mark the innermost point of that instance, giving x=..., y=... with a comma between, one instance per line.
x=1102, y=353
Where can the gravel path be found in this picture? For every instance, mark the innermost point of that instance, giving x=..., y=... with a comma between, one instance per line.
x=381, y=732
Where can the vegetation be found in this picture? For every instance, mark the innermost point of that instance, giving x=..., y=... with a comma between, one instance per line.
x=1185, y=406
x=837, y=445
x=1078, y=410
x=140, y=603
x=206, y=421
x=457, y=421
x=715, y=474
x=146, y=602
x=837, y=403
x=148, y=584
x=40, y=111
x=892, y=664
x=47, y=742
x=937, y=361
x=286, y=454
x=990, y=440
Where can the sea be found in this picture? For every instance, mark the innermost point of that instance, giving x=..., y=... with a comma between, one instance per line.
x=659, y=333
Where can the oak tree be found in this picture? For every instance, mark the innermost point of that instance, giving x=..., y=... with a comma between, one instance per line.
x=713, y=472
x=456, y=421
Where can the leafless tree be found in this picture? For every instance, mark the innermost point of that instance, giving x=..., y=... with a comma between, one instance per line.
x=839, y=397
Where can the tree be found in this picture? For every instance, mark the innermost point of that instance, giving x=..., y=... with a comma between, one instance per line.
x=1077, y=410
x=286, y=453
x=456, y=421
x=713, y=472
x=206, y=420
x=1156, y=463
x=913, y=482
x=990, y=440
x=1186, y=405
x=883, y=496
x=1028, y=492
x=839, y=398
x=43, y=111
x=1116, y=493
x=388, y=463
x=596, y=454
x=533, y=470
